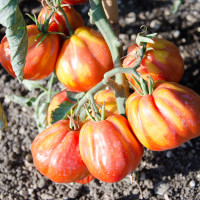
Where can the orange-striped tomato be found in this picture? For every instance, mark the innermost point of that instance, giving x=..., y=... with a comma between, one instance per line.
x=40, y=60
x=164, y=62
x=109, y=148
x=56, y=154
x=167, y=118
x=57, y=21
x=83, y=60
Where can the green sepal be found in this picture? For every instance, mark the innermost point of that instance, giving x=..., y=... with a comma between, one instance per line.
x=151, y=85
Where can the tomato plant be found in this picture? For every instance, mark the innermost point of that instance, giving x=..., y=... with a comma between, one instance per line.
x=163, y=62
x=80, y=66
x=40, y=59
x=167, y=118
x=57, y=21
x=109, y=148
x=56, y=154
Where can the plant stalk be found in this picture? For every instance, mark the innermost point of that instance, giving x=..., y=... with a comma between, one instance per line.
x=71, y=32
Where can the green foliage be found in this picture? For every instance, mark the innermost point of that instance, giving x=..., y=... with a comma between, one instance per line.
x=16, y=33
x=61, y=112
x=24, y=101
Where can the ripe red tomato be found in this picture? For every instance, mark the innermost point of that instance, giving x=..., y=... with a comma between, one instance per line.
x=55, y=102
x=74, y=2
x=40, y=60
x=167, y=118
x=86, y=180
x=57, y=21
x=56, y=154
x=83, y=60
x=109, y=149
x=162, y=63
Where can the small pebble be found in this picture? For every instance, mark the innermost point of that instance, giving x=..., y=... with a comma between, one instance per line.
x=169, y=154
x=192, y=183
x=155, y=24
x=176, y=33
x=161, y=188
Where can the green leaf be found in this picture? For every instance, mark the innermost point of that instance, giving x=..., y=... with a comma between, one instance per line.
x=74, y=96
x=3, y=120
x=24, y=101
x=61, y=111
x=16, y=33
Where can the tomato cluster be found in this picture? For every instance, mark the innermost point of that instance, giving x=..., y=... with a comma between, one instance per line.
x=109, y=148
x=78, y=65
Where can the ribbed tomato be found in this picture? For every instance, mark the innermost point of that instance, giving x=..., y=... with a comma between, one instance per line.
x=74, y=2
x=109, y=148
x=164, y=62
x=57, y=21
x=40, y=60
x=167, y=118
x=83, y=60
x=56, y=153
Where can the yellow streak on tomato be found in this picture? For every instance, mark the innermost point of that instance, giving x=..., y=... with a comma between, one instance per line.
x=153, y=121
x=84, y=74
x=76, y=41
x=134, y=118
x=89, y=34
x=154, y=70
x=161, y=56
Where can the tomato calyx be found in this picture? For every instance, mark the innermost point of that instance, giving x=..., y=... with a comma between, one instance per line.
x=145, y=88
x=94, y=114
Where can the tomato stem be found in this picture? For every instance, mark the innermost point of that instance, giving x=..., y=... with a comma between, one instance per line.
x=97, y=16
x=71, y=32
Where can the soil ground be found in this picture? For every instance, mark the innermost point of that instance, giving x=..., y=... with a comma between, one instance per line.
x=169, y=175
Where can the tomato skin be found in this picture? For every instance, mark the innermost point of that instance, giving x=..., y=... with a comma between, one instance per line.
x=55, y=102
x=40, y=60
x=162, y=63
x=109, y=149
x=59, y=25
x=74, y=2
x=56, y=153
x=86, y=180
x=83, y=60
x=108, y=97
x=167, y=118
